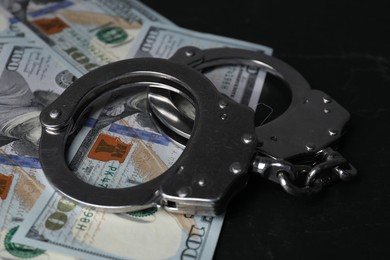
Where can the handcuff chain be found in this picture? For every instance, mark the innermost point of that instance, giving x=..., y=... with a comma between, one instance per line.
x=299, y=179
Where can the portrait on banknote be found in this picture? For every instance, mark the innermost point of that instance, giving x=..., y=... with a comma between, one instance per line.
x=131, y=101
x=23, y=95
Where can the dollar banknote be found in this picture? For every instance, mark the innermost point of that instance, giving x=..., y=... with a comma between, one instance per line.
x=150, y=154
x=83, y=33
x=114, y=153
x=241, y=83
x=126, y=152
x=11, y=30
x=30, y=79
x=127, y=9
x=154, y=234
x=20, y=188
x=8, y=181
x=88, y=34
x=117, y=147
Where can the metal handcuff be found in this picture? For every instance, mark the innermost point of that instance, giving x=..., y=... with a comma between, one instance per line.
x=223, y=146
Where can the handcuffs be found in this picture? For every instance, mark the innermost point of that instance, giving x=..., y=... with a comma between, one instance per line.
x=222, y=148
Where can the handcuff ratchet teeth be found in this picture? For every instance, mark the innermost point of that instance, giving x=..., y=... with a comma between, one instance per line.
x=223, y=145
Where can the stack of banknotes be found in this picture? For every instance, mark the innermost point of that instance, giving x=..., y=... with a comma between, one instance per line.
x=44, y=47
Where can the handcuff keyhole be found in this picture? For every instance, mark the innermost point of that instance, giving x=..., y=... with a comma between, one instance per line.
x=274, y=138
x=171, y=204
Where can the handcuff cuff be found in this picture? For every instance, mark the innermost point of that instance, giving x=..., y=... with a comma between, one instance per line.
x=222, y=144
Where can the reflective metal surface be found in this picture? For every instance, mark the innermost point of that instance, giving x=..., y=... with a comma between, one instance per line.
x=312, y=122
x=222, y=145
x=200, y=182
x=172, y=116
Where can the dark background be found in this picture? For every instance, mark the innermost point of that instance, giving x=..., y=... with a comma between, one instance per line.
x=342, y=48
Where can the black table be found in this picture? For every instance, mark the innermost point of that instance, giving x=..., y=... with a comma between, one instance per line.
x=342, y=48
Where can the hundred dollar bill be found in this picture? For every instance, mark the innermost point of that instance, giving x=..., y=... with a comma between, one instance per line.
x=20, y=188
x=88, y=34
x=212, y=232
x=61, y=225
x=83, y=33
x=125, y=8
x=126, y=152
x=33, y=83
x=241, y=83
x=30, y=79
x=7, y=185
x=11, y=30
x=123, y=153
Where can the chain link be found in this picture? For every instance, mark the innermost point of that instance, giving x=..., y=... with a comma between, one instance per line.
x=304, y=179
